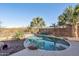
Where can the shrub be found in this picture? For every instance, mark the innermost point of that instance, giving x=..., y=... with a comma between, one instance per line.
x=19, y=35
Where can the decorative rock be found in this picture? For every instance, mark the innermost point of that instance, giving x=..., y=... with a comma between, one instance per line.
x=32, y=47
x=5, y=46
x=1, y=45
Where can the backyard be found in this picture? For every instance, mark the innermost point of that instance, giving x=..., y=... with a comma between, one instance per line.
x=25, y=34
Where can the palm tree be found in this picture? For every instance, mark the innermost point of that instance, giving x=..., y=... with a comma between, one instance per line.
x=62, y=20
x=76, y=20
x=37, y=22
x=70, y=16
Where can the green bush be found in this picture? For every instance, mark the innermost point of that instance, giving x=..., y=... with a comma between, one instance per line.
x=19, y=34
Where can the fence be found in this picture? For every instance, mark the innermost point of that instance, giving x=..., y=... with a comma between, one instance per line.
x=64, y=32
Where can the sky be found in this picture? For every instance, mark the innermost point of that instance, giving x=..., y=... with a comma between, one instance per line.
x=21, y=14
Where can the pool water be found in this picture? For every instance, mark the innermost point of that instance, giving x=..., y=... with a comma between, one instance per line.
x=47, y=43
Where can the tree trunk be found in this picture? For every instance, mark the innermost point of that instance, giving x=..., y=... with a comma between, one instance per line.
x=75, y=31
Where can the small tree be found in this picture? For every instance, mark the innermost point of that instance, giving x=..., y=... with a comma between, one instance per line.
x=19, y=35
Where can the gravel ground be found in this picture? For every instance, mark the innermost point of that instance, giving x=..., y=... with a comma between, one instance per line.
x=14, y=46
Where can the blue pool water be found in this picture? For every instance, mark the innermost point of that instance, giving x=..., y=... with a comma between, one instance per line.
x=48, y=43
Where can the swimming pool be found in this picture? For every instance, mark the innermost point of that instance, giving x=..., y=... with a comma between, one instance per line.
x=47, y=43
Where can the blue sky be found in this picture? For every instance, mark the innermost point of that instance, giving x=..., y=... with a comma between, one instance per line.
x=14, y=15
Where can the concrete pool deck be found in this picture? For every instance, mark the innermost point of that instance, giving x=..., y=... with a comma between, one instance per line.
x=73, y=50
